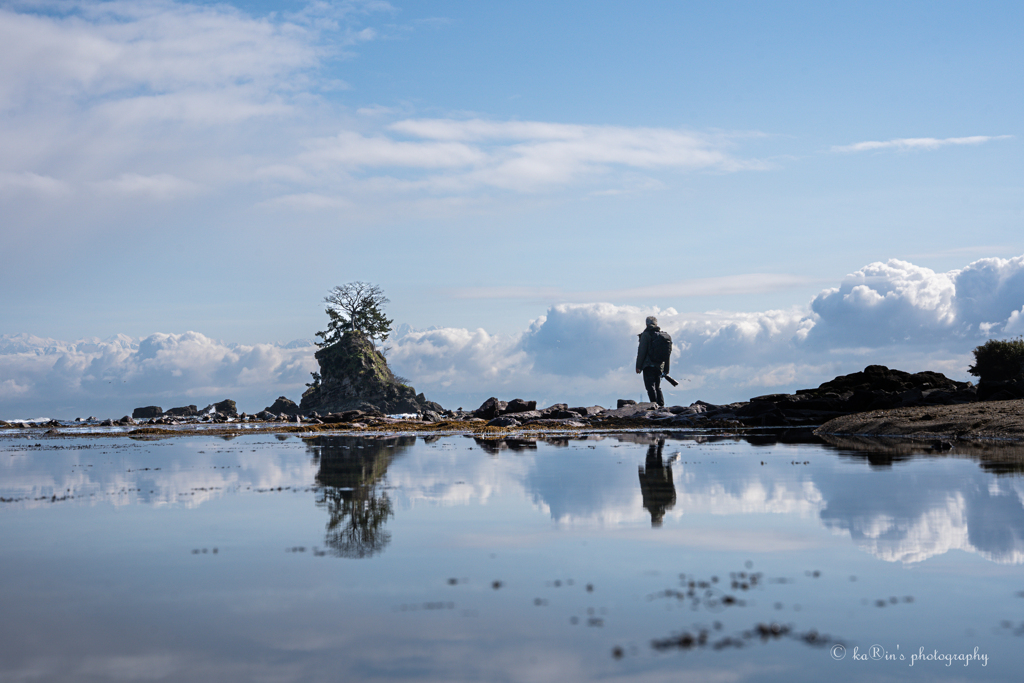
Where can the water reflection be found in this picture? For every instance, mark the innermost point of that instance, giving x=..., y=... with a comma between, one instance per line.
x=350, y=486
x=903, y=505
x=656, y=486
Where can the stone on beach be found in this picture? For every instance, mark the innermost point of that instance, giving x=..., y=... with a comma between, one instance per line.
x=283, y=406
x=146, y=412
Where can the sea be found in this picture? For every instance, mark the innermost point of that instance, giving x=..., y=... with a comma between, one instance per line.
x=581, y=556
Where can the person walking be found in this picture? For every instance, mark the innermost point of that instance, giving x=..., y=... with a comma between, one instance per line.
x=653, y=359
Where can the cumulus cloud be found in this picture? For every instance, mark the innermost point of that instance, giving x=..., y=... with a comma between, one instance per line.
x=886, y=303
x=113, y=376
x=893, y=313
x=917, y=143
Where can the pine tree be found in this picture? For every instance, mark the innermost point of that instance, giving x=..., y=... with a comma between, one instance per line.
x=355, y=306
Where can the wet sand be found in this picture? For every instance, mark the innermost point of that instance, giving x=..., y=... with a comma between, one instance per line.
x=997, y=420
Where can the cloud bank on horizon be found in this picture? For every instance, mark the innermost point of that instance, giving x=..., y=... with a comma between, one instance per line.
x=893, y=313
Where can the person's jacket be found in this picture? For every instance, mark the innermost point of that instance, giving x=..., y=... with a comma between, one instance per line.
x=642, y=357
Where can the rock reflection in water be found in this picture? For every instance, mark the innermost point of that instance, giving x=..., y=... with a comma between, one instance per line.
x=996, y=456
x=656, y=485
x=349, y=484
x=516, y=445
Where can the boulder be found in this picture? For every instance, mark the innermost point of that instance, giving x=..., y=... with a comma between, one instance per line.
x=622, y=402
x=184, y=411
x=429, y=405
x=503, y=421
x=283, y=406
x=518, y=405
x=632, y=409
x=349, y=416
x=226, y=408
x=562, y=415
x=148, y=411
x=589, y=411
x=554, y=408
x=490, y=408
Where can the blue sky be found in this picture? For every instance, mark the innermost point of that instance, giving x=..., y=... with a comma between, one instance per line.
x=214, y=168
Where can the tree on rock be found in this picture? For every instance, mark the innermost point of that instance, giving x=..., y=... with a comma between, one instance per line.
x=355, y=306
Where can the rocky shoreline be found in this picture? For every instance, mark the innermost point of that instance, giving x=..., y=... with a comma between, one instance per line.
x=876, y=401
x=1002, y=420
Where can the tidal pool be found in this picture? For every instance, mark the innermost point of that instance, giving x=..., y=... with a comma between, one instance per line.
x=628, y=556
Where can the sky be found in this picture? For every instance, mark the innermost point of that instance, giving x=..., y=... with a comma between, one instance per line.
x=797, y=190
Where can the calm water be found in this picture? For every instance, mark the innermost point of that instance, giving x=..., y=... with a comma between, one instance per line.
x=628, y=557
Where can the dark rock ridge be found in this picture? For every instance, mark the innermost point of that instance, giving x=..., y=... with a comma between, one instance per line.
x=355, y=376
x=876, y=387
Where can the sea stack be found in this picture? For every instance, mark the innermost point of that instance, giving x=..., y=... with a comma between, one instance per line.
x=354, y=375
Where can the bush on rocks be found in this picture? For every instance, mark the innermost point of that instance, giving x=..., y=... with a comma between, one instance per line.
x=999, y=360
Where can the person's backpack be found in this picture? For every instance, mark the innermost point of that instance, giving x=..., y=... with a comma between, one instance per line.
x=660, y=349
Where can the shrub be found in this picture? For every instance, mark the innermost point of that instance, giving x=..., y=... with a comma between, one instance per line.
x=997, y=360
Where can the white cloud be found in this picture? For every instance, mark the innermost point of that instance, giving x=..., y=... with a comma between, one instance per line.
x=26, y=181
x=351, y=149
x=886, y=303
x=116, y=375
x=457, y=156
x=1015, y=324
x=161, y=186
x=125, y=50
x=988, y=290
x=155, y=99
x=917, y=143
x=893, y=313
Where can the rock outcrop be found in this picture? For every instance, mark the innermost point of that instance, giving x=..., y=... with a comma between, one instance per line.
x=227, y=408
x=283, y=406
x=184, y=411
x=147, y=411
x=875, y=388
x=355, y=376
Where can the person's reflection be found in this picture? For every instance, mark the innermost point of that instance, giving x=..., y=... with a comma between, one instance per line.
x=349, y=487
x=656, y=486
